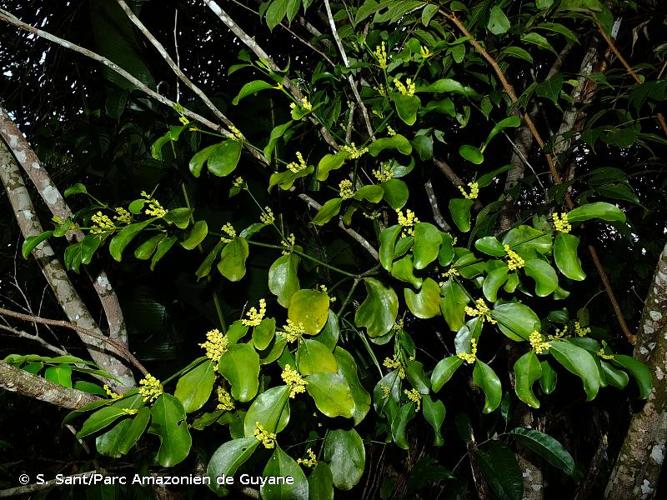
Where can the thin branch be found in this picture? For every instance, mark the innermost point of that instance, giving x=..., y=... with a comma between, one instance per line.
x=118, y=347
x=35, y=338
x=346, y=62
x=178, y=55
x=449, y=172
x=433, y=201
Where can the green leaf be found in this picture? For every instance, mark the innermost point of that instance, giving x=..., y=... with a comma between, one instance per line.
x=169, y=422
x=232, y=259
x=162, y=248
x=320, y=483
x=125, y=236
x=490, y=246
x=546, y=279
x=501, y=470
x=348, y=369
x=537, y=40
x=345, y=452
x=403, y=270
x=447, y=85
x=228, y=458
x=388, y=239
x=147, y=248
x=378, y=311
x=613, y=376
x=396, y=193
x=543, y=4
x=550, y=88
x=579, y=362
x=498, y=22
x=639, y=371
x=460, y=210
x=518, y=53
x=526, y=239
x=99, y=420
x=282, y=465
x=427, y=244
x=194, y=388
x=407, y=107
x=484, y=377
x=493, y=281
x=516, y=320
x=328, y=211
x=172, y=135
x=424, y=304
x=77, y=188
x=309, y=308
x=331, y=393
x=330, y=162
x=434, y=413
x=240, y=366
x=124, y=435
x=251, y=88
x=509, y=122
x=471, y=153
x=372, y=193
x=566, y=258
x=443, y=371
x=598, y=210
x=401, y=418
x=549, y=378
x=284, y=278
x=453, y=303
x=224, y=157
x=396, y=141
x=427, y=14
x=271, y=409
x=546, y=447
x=264, y=333
x=197, y=234
x=61, y=375
x=314, y=357
x=205, y=267
x=527, y=370
x=581, y=5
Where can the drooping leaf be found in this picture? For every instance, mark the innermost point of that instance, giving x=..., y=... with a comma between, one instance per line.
x=516, y=320
x=271, y=409
x=639, y=371
x=546, y=279
x=347, y=367
x=434, y=413
x=345, y=452
x=545, y=446
x=598, y=210
x=484, y=377
x=426, y=244
x=282, y=465
x=240, y=366
x=460, y=210
x=283, y=278
x=169, y=422
x=194, y=388
x=579, y=362
x=378, y=311
x=444, y=370
x=566, y=258
x=331, y=393
x=425, y=303
x=501, y=470
x=232, y=259
x=527, y=370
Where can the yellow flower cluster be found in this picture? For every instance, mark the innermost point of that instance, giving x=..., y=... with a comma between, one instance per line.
x=311, y=461
x=474, y=191
x=603, y=351
x=561, y=223
x=184, y=120
x=353, y=152
x=407, y=89
x=384, y=173
x=469, y=357
x=580, y=330
x=154, y=208
x=292, y=331
x=130, y=411
x=255, y=317
x=110, y=393
x=514, y=260
x=268, y=439
x=216, y=344
x=304, y=104
x=381, y=55
x=425, y=53
x=238, y=182
x=395, y=364
x=481, y=310
x=123, y=216
x=294, y=380
x=296, y=167
x=345, y=189
x=538, y=343
x=237, y=133
x=267, y=216
x=288, y=244
x=102, y=224
x=386, y=391
x=225, y=401
x=150, y=388
x=229, y=230
x=407, y=222
x=414, y=396
x=390, y=131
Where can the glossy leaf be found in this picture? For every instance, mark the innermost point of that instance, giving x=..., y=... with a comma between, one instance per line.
x=444, y=371
x=545, y=446
x=282, y=465
x=427, y=244
x=378, y=311
x=425, y=303
x=227, y=459
x=345, y=452
x=283, y=278
x=240, y=366
x=232, y=259
x=639, y=371
x=195, y=387
x=546, y=280
x=309, y=308
x=168, y=421
x=460, y=210
x=271, y=409
x=434, y=413
x=314, y=357
x=328, y=211
x=598, y=210
x=566, y=258
x=347, y=367
x=331, y=393
x=516, y=320
x=579, y=362
x=484, y=377
x=527, y=370
x=499, y=466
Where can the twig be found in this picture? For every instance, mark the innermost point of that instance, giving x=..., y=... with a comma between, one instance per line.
x=178, y=55
x=34, y=338
x=449, y=172
x=433, y=201
x=346, y=62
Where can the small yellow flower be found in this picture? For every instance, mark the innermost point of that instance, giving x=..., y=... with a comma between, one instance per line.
x=384, y=173
x=450, y=273
x=407, y=222
x=346, y=191
x=390, y=131
x=123, y=216
x=414, y=396
x=386, y=391
x=474, y=191
x=183, y=120
x=580, y=330
x=381, y=55
x=237, y=133
x=561, y=223
x=353, y=152
x=216, y=345
x=408, y=89
x=481, y=310
x=296, y=383
x=267, y=216
x=299, y=165
x=154, y=208
x=268, y=439
x=603, y=352
x=288, y=244
x=514, y=260
x=255, y=317
x=150, y=388
x=292, y=332
x=130, y=411
x=110, y=393
x=395, y=364
x=225, y=401
x=538, y=343
x=469, y=357
x=229, y=230
x=102, y=224
x=381, y=90
x=560, y=333
x=239, y=182
x=424, y=52
x=311, y=461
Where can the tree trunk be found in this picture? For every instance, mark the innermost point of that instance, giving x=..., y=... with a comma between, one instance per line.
x=637, y=469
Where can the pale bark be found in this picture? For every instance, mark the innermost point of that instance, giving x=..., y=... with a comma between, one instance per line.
x=54, y=272
x=637, y=469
